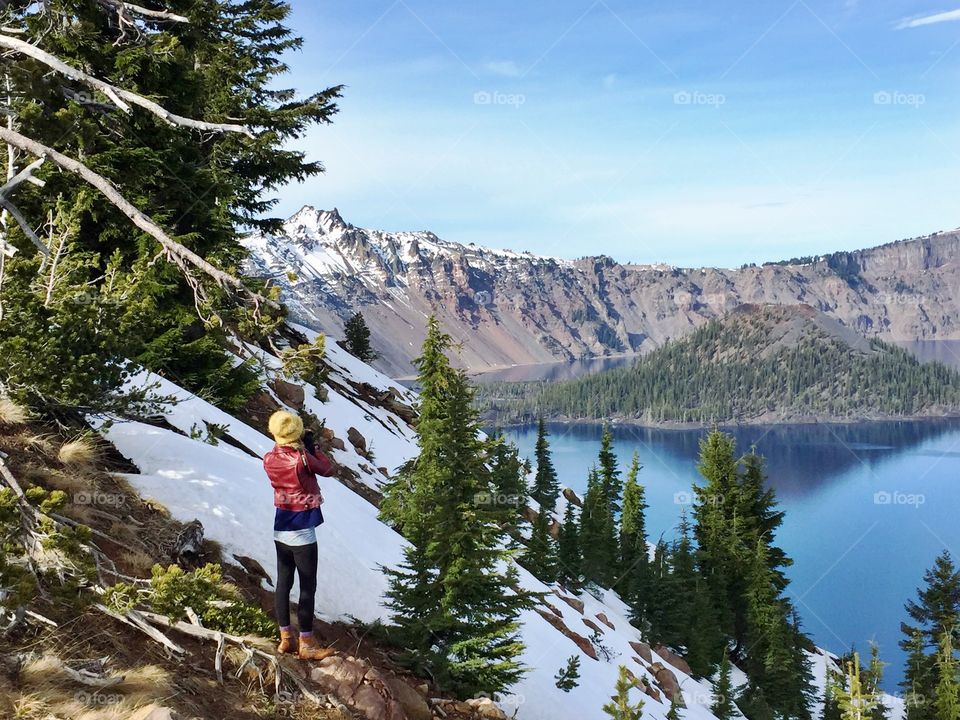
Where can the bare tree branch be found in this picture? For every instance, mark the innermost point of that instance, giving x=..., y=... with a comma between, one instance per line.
x=20, y=177
x=155, y=14
x=122, y=98
x=14, y=211
x=176, y=252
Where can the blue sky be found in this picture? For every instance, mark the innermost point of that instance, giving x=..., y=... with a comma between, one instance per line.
x=687, y=132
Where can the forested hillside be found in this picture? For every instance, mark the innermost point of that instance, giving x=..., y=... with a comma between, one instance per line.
x=767, y=363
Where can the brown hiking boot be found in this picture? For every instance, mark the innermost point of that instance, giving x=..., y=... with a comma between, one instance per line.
x=288, y=642
x=310, y=650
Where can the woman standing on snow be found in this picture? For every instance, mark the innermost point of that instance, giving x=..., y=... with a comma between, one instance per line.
x=293, y=466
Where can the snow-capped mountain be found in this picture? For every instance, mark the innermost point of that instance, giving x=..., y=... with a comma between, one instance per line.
x=518, y=308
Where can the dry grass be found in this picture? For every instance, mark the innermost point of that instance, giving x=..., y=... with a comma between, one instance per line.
x=11, y=413
x=80, y=452
x=45, y=691
x=136, y=562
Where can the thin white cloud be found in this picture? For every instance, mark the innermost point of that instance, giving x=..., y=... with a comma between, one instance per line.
x=506, y=68
x=609, y=81
x=949, y=16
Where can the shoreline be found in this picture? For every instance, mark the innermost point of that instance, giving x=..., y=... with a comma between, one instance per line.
x=759, y=422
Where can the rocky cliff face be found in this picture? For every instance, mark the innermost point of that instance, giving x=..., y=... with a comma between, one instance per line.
x=517, y=308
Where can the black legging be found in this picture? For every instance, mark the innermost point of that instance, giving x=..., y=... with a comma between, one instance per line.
x=303, y=559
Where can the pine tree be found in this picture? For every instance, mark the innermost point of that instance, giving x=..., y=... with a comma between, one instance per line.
x=723, y=707
x=546, y=488
x=633, y=584
x=832, y=691
x=620, y=707
x=935, y=612
x=700, y=636
x=113, y=296
x=873, y=681
x=598, y=542
x=569, y=557
x=947, y=696
x=453, y=610
x=674, y=712
x=609, y=472
x=720, y=551
x=508, y=475
x=856, y=702
x=540, y=557
x=567, y=678
x=357, y=338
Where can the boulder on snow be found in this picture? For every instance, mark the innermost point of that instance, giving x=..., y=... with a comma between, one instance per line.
x=572, y=497
x=667, y=682
x=358, y=441
x=572, y=602
x=331, y=440
x=290, y=394
x=579, y=640
x=643, y=650
x=602, y=617
x=592, y=625
x=671, y=657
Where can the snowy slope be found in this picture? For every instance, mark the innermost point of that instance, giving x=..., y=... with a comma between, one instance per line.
x=225, y=488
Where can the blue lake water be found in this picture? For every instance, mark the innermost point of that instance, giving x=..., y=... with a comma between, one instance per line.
x=868, y=508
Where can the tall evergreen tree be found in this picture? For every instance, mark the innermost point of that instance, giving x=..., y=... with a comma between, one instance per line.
x=453, y=609
x=935, y=611
x=112, y=295
x=598, y=541
x=947, y=697
x=540, y=557
x=509, y=478
x=633, y=584
x=546, y=488
x=609, y=472
x=357, y=338
x=569, y=556
x=720, y=551
x=873, y=680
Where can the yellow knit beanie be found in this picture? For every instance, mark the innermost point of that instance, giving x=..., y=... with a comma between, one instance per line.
x=286, y=428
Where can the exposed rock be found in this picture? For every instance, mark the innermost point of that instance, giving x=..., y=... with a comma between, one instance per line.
x=643, y=650
x=414, y=704
x=572, y=602
x=592, y=625
x=580, y=641
x=553, y=608
x=572, y=497
x=289, y=393
x=667, y=682
x=487, y=708
x=671, y=657
x=359, y=686
x=358, y=441
x=602, y=617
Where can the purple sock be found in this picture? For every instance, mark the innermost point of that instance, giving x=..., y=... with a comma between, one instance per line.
x=306, y=634
x=285, y=628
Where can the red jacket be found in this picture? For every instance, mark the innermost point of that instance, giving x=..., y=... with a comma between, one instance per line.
x=293, y=474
